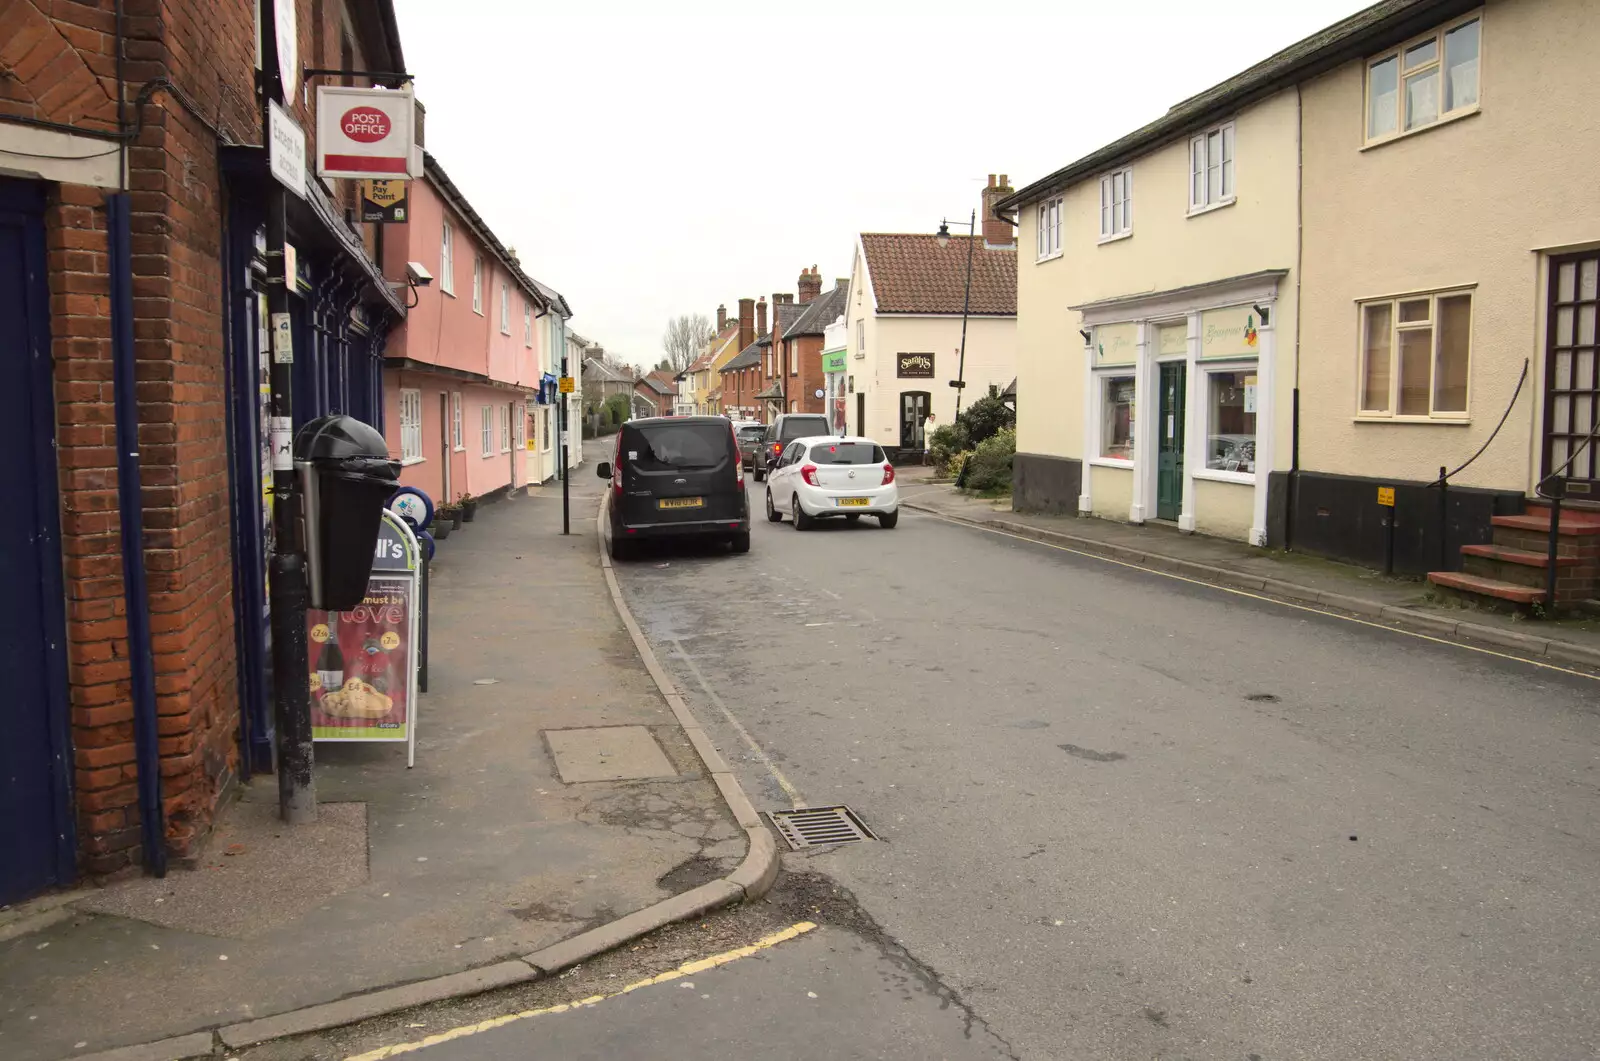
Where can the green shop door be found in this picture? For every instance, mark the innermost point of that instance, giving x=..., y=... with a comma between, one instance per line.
x=1169, y=443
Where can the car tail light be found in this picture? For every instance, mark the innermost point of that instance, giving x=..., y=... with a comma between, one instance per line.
x=888, y=473
x=808, y=472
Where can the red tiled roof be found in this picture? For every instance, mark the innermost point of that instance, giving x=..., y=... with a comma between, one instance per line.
x=911, y=273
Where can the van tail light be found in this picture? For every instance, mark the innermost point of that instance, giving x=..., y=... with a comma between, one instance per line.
x=808, y=472
x=888, y=473
x=616, y=467
x=738, y=460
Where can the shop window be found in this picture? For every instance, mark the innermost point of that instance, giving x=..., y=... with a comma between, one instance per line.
x=411, y=425
x=1211, y=169
x=1424, y=81
x=1116, y=204
x=1231, y=421
x=1116, y=417
x=1416, y=356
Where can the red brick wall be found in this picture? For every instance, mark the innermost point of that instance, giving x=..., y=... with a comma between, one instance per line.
x=807, y=349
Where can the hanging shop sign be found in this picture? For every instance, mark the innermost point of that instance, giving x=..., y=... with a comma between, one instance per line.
x=364, y=661
x=833, y=361
x=1229, y=332
x=365, y=132
x=914, y=366
x=1172, y=340
x=383, y=202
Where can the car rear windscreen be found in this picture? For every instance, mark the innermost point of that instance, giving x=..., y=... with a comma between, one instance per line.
x=752, y=434
x=846, y=453
x=663, y=446
x=794, y=427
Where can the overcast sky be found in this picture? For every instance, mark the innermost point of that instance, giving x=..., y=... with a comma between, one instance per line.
x=647, y=165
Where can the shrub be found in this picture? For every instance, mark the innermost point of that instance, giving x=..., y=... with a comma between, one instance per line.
x=947, y=441
x=984, y=418
x=617, y=408
x=989, y=466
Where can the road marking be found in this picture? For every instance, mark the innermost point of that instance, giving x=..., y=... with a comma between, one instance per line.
x=744, y=734
x=1262, y=597
x=686, y=969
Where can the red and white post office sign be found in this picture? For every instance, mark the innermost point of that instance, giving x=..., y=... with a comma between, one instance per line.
x=364, y=132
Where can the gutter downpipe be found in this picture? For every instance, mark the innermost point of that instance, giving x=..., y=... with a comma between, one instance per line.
x=1299, y=264
x=130, y=504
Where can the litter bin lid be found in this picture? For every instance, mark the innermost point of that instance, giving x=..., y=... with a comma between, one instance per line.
x=337, y=437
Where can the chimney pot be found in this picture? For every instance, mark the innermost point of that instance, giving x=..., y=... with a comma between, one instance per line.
x=722, y=318
x=810, y=284
x=761, y=316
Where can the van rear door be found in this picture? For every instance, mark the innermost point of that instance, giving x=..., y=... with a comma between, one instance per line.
x=679, y=473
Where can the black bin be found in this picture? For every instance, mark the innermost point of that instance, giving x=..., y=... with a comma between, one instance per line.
x=346, y=477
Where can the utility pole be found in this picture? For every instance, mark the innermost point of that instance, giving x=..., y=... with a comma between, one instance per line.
x=290, y=591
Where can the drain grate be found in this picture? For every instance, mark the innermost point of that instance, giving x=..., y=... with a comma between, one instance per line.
x=820, y=827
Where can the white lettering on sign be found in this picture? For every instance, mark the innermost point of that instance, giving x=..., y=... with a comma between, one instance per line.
x=389, y=550
x=366, y=125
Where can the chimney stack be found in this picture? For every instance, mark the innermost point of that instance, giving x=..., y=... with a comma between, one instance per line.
x=761, y=317
x=722, y=318
x=810, y=284
x=747, y=323
x=996, y=233
x=782, y=298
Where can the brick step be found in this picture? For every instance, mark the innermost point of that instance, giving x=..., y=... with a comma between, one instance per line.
x=1538, y=521
x=1570, y=507
x=1517, y=556
x=1486, y=587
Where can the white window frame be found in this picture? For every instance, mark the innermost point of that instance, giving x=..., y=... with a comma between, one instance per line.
x=410, y=426
x=486, y=420
x=477, y=284
x=519, y=426
x=505, y=428
x=505, y=308
x=1396, y=326
x=1436, y=65
x=1047, y=235
x=447, y=260
x=1098, y=377
x=457, y=438
x=792, y=354
x=1206, y=371
x=527, y=324
x=1200, y=164
x=1116, y=216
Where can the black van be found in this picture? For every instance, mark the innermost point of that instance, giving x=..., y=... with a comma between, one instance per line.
x=676, y=476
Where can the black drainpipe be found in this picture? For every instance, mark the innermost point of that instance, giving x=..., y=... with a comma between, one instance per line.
x=130, y=503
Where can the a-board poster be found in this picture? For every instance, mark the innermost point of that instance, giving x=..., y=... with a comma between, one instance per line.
x=364, y=661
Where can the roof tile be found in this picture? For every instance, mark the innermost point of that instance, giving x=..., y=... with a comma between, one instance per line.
x=911, y=273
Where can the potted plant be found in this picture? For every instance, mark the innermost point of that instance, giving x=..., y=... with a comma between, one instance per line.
x=440, y=528
x=450, y=513
x=469, y=508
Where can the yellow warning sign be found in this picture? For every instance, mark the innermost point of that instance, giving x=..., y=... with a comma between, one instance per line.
x=568, y=385
x=1386, y=496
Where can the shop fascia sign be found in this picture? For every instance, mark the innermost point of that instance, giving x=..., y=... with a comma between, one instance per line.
x=366, y=133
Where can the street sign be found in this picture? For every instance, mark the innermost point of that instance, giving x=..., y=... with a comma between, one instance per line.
x=568, y=385
x=282, y=339
x=958, y=384
x=365, y=132
x=286, y=34
x=383, y=202
x=364, y=661
x=1386, y=496
x=286, y=149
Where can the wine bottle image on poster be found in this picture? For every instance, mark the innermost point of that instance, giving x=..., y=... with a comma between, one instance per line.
x=360, y=688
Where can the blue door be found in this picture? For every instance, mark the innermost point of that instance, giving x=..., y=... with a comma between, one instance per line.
x=36, y=836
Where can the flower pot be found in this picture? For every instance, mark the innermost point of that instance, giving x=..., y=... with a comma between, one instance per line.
x=440, y=529
x=455, y=518
x=469, y=511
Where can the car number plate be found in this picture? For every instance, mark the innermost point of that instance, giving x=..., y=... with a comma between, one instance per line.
x=681, y=502
x=853, y=502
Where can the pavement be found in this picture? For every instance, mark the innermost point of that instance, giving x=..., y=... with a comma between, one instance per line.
x=1126, y=816
x=1361, y=591
x=555, y=792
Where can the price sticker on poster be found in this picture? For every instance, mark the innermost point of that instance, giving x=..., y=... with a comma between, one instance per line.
x=364, y=661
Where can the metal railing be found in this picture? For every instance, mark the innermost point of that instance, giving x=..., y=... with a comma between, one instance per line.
x=1553, y=488
x=1445, y=474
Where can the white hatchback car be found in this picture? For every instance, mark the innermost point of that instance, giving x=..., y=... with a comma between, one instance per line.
x=826, y=476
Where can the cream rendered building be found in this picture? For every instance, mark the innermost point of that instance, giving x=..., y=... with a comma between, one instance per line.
x=1157, y=278
x=1411, y=202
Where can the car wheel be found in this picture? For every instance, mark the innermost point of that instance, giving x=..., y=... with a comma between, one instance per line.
x=851, y=517
x=758, y=475
x=889, y=519
x=741, y=542
x=773, y=515
x=801, y=520
x=621, y=551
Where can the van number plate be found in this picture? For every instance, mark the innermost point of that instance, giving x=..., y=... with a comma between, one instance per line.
x=681, y=502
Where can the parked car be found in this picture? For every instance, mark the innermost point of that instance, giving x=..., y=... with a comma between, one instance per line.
x=784, y=430
x=750, y=434
x=676, y=477
x=828, y=476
